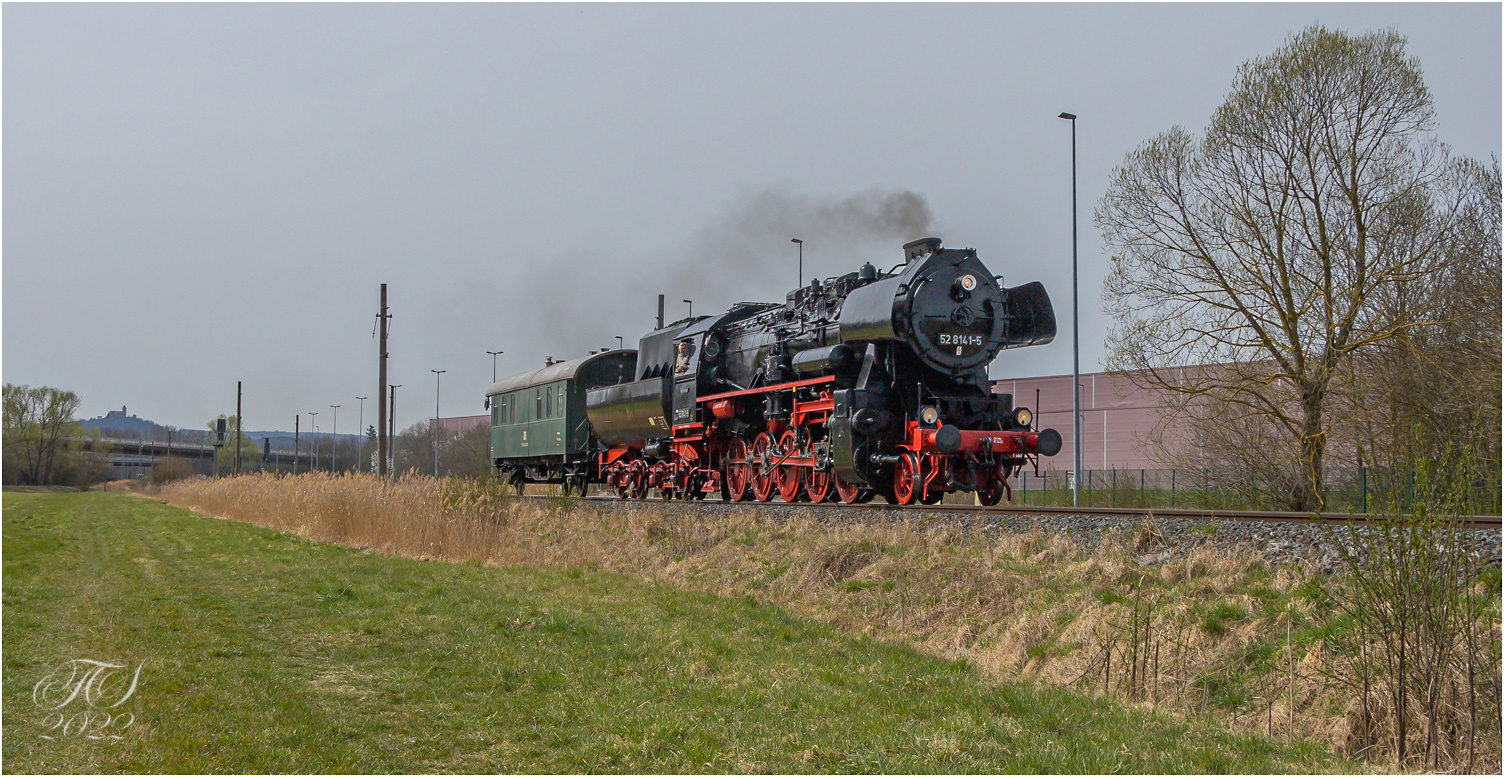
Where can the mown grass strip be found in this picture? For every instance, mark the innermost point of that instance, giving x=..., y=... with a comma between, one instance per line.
x=267, y=653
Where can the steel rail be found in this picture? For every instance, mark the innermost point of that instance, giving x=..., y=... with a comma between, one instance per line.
x=1206, y=514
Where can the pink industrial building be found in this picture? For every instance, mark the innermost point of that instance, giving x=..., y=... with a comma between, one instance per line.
x=455, y=426
x=1116, y=418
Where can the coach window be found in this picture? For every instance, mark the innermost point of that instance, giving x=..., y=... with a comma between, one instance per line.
x=560, y=404
x=548, y=402
x=537, y=404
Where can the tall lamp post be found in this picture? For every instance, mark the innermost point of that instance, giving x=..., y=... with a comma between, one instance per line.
x=802, y=261
x=493, y=364
x=313, y=442
x=619, y=342
x=392, y=428
x=436, y=420
x=360, y=427
x=690, y=303
x=1076, y=367
x=334, y=450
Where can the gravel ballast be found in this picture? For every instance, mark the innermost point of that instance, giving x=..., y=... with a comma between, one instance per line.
x=1277, y=543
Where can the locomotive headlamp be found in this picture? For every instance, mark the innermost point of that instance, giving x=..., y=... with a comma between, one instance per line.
x=969, y=282
x=929, y=414
x=1022, y=417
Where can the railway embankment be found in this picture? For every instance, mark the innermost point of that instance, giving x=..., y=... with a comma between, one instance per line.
x=1250, y=624
x=1158, y=539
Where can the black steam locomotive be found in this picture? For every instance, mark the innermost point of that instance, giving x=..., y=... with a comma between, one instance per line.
x=864, y=384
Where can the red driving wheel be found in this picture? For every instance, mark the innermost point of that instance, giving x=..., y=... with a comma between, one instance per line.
x=818, y=485
x=736, y=470
x=762, y=475
x=790, y=477
x=848, y=493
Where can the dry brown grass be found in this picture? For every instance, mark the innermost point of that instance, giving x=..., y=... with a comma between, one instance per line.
x=1016, y=604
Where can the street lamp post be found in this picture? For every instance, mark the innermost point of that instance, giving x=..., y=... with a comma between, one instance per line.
x=690, y=303
x=802, y=261
x=392, y=428
x=334, y=450
x=493, y=364
x=619, y=342
x=313, y=443
x=360, y=428
x=1076, y=367
x=436, y=373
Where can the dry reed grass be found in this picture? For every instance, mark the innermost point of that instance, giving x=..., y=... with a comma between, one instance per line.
x=1023, y=604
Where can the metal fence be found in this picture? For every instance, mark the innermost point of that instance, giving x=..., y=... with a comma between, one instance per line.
x=1355, y=490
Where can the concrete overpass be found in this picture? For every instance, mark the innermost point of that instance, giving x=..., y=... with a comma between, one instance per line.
x=134, y=457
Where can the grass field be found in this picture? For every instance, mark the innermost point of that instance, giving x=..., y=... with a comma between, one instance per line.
x=264, y=652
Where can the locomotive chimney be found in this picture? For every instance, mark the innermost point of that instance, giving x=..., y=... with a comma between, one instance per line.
x=660, y=313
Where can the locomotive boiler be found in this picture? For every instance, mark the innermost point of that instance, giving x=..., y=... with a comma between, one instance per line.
x=870, y=383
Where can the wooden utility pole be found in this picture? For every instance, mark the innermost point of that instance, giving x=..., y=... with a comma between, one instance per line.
x=382, y=438
x=296, y=419
x=238, y=427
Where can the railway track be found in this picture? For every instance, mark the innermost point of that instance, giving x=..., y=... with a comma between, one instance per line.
x=1276, y=517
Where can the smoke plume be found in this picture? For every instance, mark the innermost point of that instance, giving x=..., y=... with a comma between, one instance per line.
x=745, y=254
x=751, y=243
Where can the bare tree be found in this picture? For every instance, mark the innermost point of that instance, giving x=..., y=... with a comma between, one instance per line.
x=467, y=454
x=38, y=430
x=1276, y=246
x=1438, y=388
x=413, y=449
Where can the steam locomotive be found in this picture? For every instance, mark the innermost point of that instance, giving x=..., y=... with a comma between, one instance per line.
x=867, y=384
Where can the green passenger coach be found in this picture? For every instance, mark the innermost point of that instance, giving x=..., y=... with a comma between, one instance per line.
x=539, y=430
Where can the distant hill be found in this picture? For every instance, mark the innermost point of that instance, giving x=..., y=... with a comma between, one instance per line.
x=122, y=424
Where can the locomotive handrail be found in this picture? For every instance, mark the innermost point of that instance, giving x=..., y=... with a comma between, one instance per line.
x=770, y=388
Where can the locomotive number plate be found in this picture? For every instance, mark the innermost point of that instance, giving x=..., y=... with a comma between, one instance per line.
x=961, y=339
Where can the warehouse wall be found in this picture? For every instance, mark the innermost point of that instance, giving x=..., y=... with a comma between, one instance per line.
x=1116, y=418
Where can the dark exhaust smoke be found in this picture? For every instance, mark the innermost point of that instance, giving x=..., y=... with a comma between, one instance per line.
x=567, y=300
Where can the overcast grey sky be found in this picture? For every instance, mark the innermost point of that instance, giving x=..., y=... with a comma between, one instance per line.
x=200, y=194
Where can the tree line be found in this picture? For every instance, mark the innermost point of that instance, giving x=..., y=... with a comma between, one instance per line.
x=40, y=445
